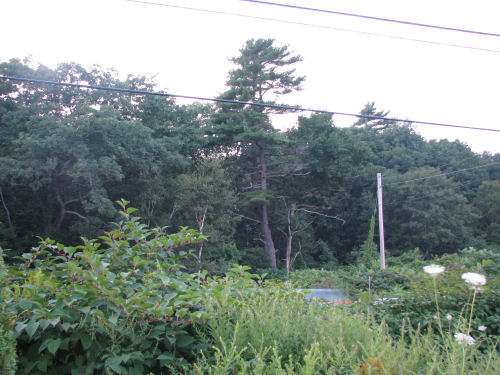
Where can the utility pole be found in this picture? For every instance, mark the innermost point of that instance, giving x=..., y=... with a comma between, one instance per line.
x=381, y=220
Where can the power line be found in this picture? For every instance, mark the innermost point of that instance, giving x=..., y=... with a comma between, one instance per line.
x=255, y=104
x=373, y=18
x=441, y=174
x=231, y=101
x=315, y=25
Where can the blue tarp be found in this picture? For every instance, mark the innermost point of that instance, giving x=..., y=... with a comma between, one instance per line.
x=331, y=295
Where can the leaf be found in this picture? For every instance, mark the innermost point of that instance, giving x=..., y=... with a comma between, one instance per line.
x=31, y=328
x=42, y=363
x=136, y=371
x=119, y=369
x=86, y=341
x=55, y=321
x=183, y=340
x=85, y=309
x=20, y=327
x=166, y=357
x=44, y=345
x=25, y=304
x=54, y=346
x=114, y=319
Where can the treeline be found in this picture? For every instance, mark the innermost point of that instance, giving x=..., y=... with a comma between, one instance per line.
x=267, y=198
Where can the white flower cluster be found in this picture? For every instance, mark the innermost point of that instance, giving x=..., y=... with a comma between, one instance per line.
x=474, y=279
x=464, y=339
x=434, y=269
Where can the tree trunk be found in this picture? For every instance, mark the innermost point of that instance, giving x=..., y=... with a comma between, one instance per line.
x=7, y=212
x=264, y=220
x=201, y=225
x=288, y=259
x=62, y=206
x=289, y=238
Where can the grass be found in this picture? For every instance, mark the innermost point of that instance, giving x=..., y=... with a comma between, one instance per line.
x=282, y=334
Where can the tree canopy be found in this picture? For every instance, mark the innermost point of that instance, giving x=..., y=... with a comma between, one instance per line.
x=301, y=197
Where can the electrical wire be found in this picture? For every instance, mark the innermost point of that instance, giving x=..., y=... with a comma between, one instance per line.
x=316, y=26
x=372, y=18
x=256, y=104
x=441, y=174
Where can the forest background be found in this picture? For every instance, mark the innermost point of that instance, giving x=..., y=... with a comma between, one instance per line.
x=301, y=198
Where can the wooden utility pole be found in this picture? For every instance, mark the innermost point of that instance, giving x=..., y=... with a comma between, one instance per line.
x=381, y=220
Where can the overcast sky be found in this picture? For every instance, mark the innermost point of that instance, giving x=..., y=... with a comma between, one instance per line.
x=188, y=51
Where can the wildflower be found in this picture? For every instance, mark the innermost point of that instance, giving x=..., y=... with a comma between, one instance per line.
x=433, y=269
x=464, y=339
x=482, y=328
x=474, y=279
x=435, y=317
x=449, y=317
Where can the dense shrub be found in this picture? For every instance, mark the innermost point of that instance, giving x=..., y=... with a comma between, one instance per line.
x=7, y=342
x=454, y=296
x=314, y=278
x=352, y=280
x=119, y=304
x=259, y=328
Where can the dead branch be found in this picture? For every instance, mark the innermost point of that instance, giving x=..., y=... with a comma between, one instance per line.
x=248, y=218
x=322, y=214
x=77, y=215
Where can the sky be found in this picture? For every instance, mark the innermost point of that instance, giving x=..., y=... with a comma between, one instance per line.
x=188, y=51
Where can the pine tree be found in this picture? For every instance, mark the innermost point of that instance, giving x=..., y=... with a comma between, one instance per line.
x=262, y=74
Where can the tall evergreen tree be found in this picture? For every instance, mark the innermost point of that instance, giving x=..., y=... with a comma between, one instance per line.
x=263, y=73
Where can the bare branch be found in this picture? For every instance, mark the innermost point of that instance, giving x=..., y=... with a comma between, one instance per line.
x=303, y=228
x=252, y=187
x=78, y=215
x=297, y=253
x=314, y=207
x=72, y=201
x=259, y=239
x=286, y=174
x=248, y=218
x=174, y=207
x=321, y=214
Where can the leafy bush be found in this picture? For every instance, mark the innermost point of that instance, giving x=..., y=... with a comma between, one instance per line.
x=263, y=328
x=253, y=320
x=119, y=304
x=315, y=278
x=7, y=342
x=417, y=303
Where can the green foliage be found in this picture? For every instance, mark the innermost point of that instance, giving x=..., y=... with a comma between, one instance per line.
x=206, y=201
x=303, y=196
x=8, y=357
x=487, y=200
x=67, y=153
x=263, y=72
x=414, y=299
x=430, y=214
x=368, y=256
x=263, y=324
x=120, y=304
x=260, y=328
x=315, y=278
